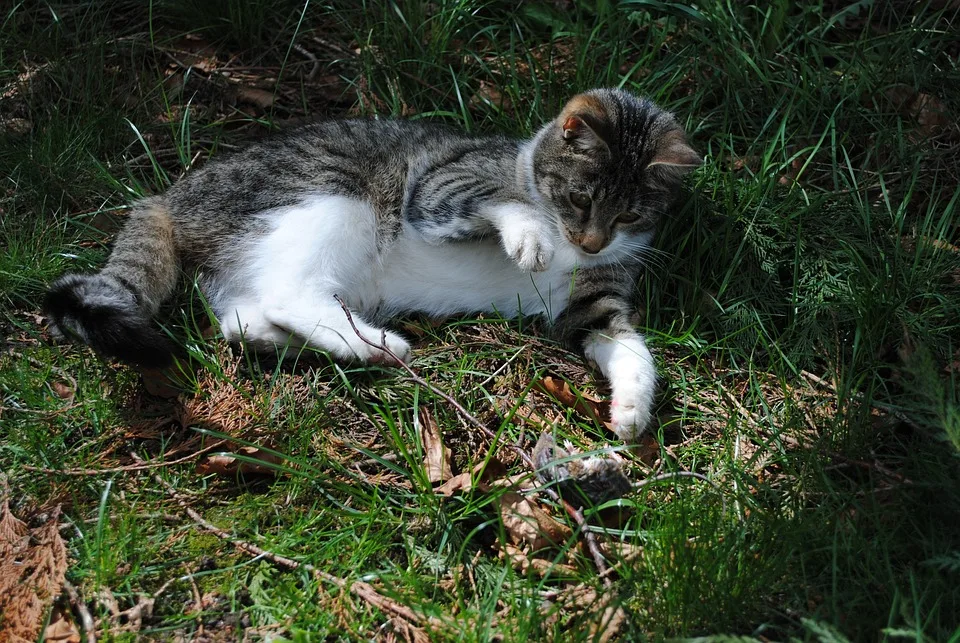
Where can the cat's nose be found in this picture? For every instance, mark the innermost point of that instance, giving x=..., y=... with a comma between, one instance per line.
x=592, y=244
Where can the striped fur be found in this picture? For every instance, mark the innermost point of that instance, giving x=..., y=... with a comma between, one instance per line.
x=394, y=217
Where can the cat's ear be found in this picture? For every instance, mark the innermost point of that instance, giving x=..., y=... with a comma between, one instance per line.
x=584, y=124
x=674, y=152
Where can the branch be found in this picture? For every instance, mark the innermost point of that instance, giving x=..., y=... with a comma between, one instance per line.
x=360, y=589
x=127, y=467
x=575, y=514
x=86, y=620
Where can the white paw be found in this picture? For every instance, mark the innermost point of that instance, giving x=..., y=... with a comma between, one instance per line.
x=629, y=367
x=397, y=345
x=631, y=410
x=529, y=244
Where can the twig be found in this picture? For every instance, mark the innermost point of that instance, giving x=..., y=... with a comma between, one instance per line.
x=360, y=589
x=676, y=474
x=86, y=620
x=143, y=466
x=589, y=538
x=412, y=373
x=574, y=513
x=502, y=367
x=316, y=63
x=197, y=599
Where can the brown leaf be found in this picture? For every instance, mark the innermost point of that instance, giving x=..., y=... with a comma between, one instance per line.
x=647, y=450
x=224, y=464
x=63, y=391
x=32, y=567
x=527, y=523
x=929, y=112
x=194, y=51
x=490, y=95
x=611, y=620
x=583, y=404
x=517, y=557
x=157, y=382
x=436, y=456
x=621, y=551
x=543, y=567
x=478, y=476
x=61, y=629
x=13, y=536
x=257, y=97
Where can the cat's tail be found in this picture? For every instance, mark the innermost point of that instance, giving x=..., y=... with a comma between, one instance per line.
x=112, y=311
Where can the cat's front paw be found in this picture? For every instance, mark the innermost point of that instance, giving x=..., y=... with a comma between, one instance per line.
x=630, y=418
x=529, y=245
x=631, y=408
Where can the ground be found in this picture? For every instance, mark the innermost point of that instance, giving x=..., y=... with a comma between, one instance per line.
x=802, y=480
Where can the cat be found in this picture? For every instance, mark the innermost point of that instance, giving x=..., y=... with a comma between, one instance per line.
x=398, y=217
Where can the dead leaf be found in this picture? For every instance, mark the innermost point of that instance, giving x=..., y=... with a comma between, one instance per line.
x=436, y=456
x=611, y=620
x=32, y=567
x=157, y=382
x=63, y=391
x=224, y=464
x=255, y=96
x=489, y=94
x=523, y=563
x=929, y=112
x=560, y=389
x=478, y=476
x=517, y=557
x=620, y=551
x=61, y=629
x=647, y=450
x=527, y=523
x=193, y=50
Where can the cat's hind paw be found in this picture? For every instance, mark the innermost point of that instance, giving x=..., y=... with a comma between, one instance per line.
x=397, y=346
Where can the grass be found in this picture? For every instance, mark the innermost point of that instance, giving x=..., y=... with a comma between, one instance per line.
x=804, y=305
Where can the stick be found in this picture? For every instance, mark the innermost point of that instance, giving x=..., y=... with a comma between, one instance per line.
x=127, y=467
x=575, y=514
x=358, y=588
x=464, y=413
x=677, y=474
x=316, y=63
x=86, y=620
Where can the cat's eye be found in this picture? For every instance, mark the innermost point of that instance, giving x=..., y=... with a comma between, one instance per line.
x=581, y=200
x=628, y=217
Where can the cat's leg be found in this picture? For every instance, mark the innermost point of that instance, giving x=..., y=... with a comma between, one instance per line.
x=247, y=323
x=597, y=321
x=324, y=246
x=326, y=327
x=299, y=324
x=527, y=233
x=625, y=361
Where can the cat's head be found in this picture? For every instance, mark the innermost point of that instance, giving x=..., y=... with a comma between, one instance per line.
x=609, y=165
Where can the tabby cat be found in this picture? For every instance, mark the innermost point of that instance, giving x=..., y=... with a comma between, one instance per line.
x=396, y=217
